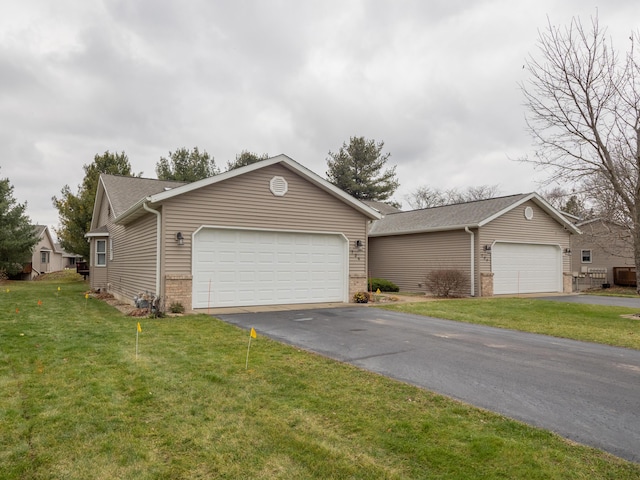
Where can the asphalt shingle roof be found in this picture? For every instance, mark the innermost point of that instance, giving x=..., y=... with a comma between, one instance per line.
x=442, y=218
x=382, y=207
x=124, y=192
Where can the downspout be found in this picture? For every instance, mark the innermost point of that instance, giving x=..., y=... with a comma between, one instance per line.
x=473, y=261
x=158, y=231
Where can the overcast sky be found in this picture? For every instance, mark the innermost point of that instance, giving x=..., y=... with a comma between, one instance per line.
x=436, y=80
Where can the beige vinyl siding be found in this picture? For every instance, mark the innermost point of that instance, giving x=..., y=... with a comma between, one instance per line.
x=133, y=267
x=103, y=214
x=98, y=277
x=246, y=201
x=407, y=259
x=55, y=259
x=514, y=227
x=608, y=246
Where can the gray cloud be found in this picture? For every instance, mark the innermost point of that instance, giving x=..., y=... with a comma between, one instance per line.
x=436, y=81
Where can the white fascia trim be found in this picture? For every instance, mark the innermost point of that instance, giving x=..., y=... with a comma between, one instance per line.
x=101, y=234
x=94, y=215
x=331, y=188
x=542, y=203
x=290, y=163
x=131, y=210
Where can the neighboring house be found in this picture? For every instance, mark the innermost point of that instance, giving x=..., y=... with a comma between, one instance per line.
x=69, y=260
x=46, y=258
x=507, y=245
x=268, y=233
x=603, y=250
x=47, y=255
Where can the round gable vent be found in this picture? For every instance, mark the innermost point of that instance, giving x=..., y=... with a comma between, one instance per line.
x=528, y=213
x=278, y=186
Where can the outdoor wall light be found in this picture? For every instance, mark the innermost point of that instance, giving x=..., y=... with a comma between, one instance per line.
x=180, y=238
x=487, y=248
x=359, y=244
x=567, y=251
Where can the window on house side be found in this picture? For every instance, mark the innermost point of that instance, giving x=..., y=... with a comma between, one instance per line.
x=586, y=256
x=101, y=253
x=44, y=257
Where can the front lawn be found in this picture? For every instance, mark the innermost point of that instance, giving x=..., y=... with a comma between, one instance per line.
x=76, y=403
x=591, y=323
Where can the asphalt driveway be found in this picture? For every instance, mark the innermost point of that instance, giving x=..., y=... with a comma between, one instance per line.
x=586, y=392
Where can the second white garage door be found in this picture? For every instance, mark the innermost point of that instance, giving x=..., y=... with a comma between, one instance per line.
x=526, y=268
x=235, y=267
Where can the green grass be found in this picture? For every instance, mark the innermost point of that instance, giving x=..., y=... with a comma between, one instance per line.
x=614, y=292
x=591, y=323
x=77, y=404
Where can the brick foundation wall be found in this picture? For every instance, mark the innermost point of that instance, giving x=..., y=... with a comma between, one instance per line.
x=177, y=289
x=357, y=283
x=486, y=284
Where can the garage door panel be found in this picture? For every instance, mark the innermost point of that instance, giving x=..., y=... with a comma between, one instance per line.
x=526, y=268
x=265, y=267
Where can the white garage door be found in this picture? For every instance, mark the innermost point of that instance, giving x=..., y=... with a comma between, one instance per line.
x=526, y=268
x=235, y=267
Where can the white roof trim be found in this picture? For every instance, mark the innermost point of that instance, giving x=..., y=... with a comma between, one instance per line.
x=97, y=203
x=423, y=230
x=555, y=214
x=281, y=159
x=542, y=203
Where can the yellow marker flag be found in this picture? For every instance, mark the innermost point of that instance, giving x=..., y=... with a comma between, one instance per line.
x=378, y=292
x=86, y=296
x=139, y=327
x=253, y=333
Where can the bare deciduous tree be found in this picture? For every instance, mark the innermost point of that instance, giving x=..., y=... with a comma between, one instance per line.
x=583, y=110
x=427, y=197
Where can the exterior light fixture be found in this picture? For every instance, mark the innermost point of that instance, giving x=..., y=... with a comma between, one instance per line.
x=567, y=251
x=359, y=244
x=487, y=248
x=180, y=238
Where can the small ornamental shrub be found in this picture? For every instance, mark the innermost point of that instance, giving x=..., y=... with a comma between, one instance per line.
x=361, y=297
x=176, y=307
x=383, y=285
x=448, y=283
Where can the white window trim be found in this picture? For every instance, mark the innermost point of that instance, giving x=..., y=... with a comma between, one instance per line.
x=582, y=260
x=103, y=252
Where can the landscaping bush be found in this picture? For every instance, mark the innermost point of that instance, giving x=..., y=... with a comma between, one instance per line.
x=383, y=285
x=448, y=283
x=361, y=297
x=176, y=307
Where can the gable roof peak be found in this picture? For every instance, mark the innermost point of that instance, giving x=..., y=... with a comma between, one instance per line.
x=455, y=216
x=131, y=200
